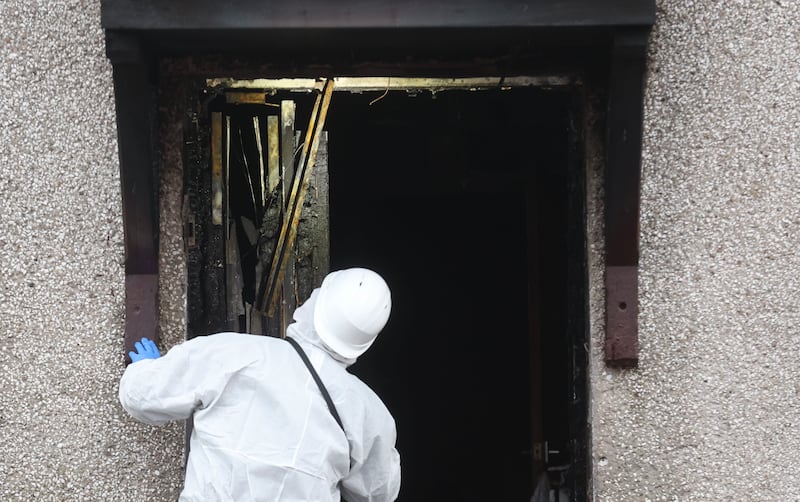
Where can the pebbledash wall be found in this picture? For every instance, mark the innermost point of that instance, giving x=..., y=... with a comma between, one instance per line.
x=713, y=411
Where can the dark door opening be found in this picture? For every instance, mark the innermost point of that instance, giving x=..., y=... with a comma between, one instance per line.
x=460, y=199
x=470, y=203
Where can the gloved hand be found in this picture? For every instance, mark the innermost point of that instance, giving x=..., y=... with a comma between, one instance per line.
x=145, y=349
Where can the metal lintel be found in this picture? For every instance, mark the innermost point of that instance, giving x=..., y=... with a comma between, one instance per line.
x=255, y=15
x=622, y=186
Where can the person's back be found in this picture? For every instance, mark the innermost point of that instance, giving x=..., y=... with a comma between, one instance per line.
x=262, y=429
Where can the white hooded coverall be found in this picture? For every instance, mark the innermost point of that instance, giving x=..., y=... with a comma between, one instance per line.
x=262, y=430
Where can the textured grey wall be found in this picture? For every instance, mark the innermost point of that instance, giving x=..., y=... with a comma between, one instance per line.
x=712, y=414
x=63, y=435
x=714, y=411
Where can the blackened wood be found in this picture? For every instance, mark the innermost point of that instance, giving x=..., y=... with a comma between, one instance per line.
x=294, y=207
x=534, y=243
x=234, y=282
x=205, y=303
x=218, y=201
x=312, y=248
x=289, y=138
x=622, y=180
x=579, y=477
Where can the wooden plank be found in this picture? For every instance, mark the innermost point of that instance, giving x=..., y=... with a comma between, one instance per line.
x=273, y=153
x=216, y=168
x=577, y=299
x=205, y=262
x=234, y=281
x=206, y=305
x=290, y=138
x=245, y=98
x=535, y=334
x=312, y=247
x=319, y=220
x=276, y=325
x=365, y=84
x=262, y=174
x=296, y=198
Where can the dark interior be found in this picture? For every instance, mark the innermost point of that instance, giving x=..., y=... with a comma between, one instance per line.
x=460, y=200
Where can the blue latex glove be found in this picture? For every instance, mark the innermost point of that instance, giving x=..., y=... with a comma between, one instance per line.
x=145, y=349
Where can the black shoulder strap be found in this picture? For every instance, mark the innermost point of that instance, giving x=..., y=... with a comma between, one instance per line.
x=314, y=374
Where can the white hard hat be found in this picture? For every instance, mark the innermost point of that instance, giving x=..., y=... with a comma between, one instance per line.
x=353, y=306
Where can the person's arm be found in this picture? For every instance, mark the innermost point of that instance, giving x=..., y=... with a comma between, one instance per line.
x=171, y=387
x=375, y=472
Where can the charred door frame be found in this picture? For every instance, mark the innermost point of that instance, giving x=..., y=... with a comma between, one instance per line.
x=606, y=38
x=603, y=42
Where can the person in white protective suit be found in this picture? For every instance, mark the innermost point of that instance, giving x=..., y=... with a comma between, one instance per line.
x=262, y=429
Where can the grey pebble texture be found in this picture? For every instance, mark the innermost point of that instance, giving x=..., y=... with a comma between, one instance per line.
x=713, y=412
x=63, y=435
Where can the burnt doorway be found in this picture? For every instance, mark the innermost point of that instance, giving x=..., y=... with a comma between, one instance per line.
x=470, y=203
x=465, y=202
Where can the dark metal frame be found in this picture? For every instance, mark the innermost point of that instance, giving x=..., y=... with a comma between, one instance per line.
x=601, y=37
x=622, y=183
x=134, y=86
